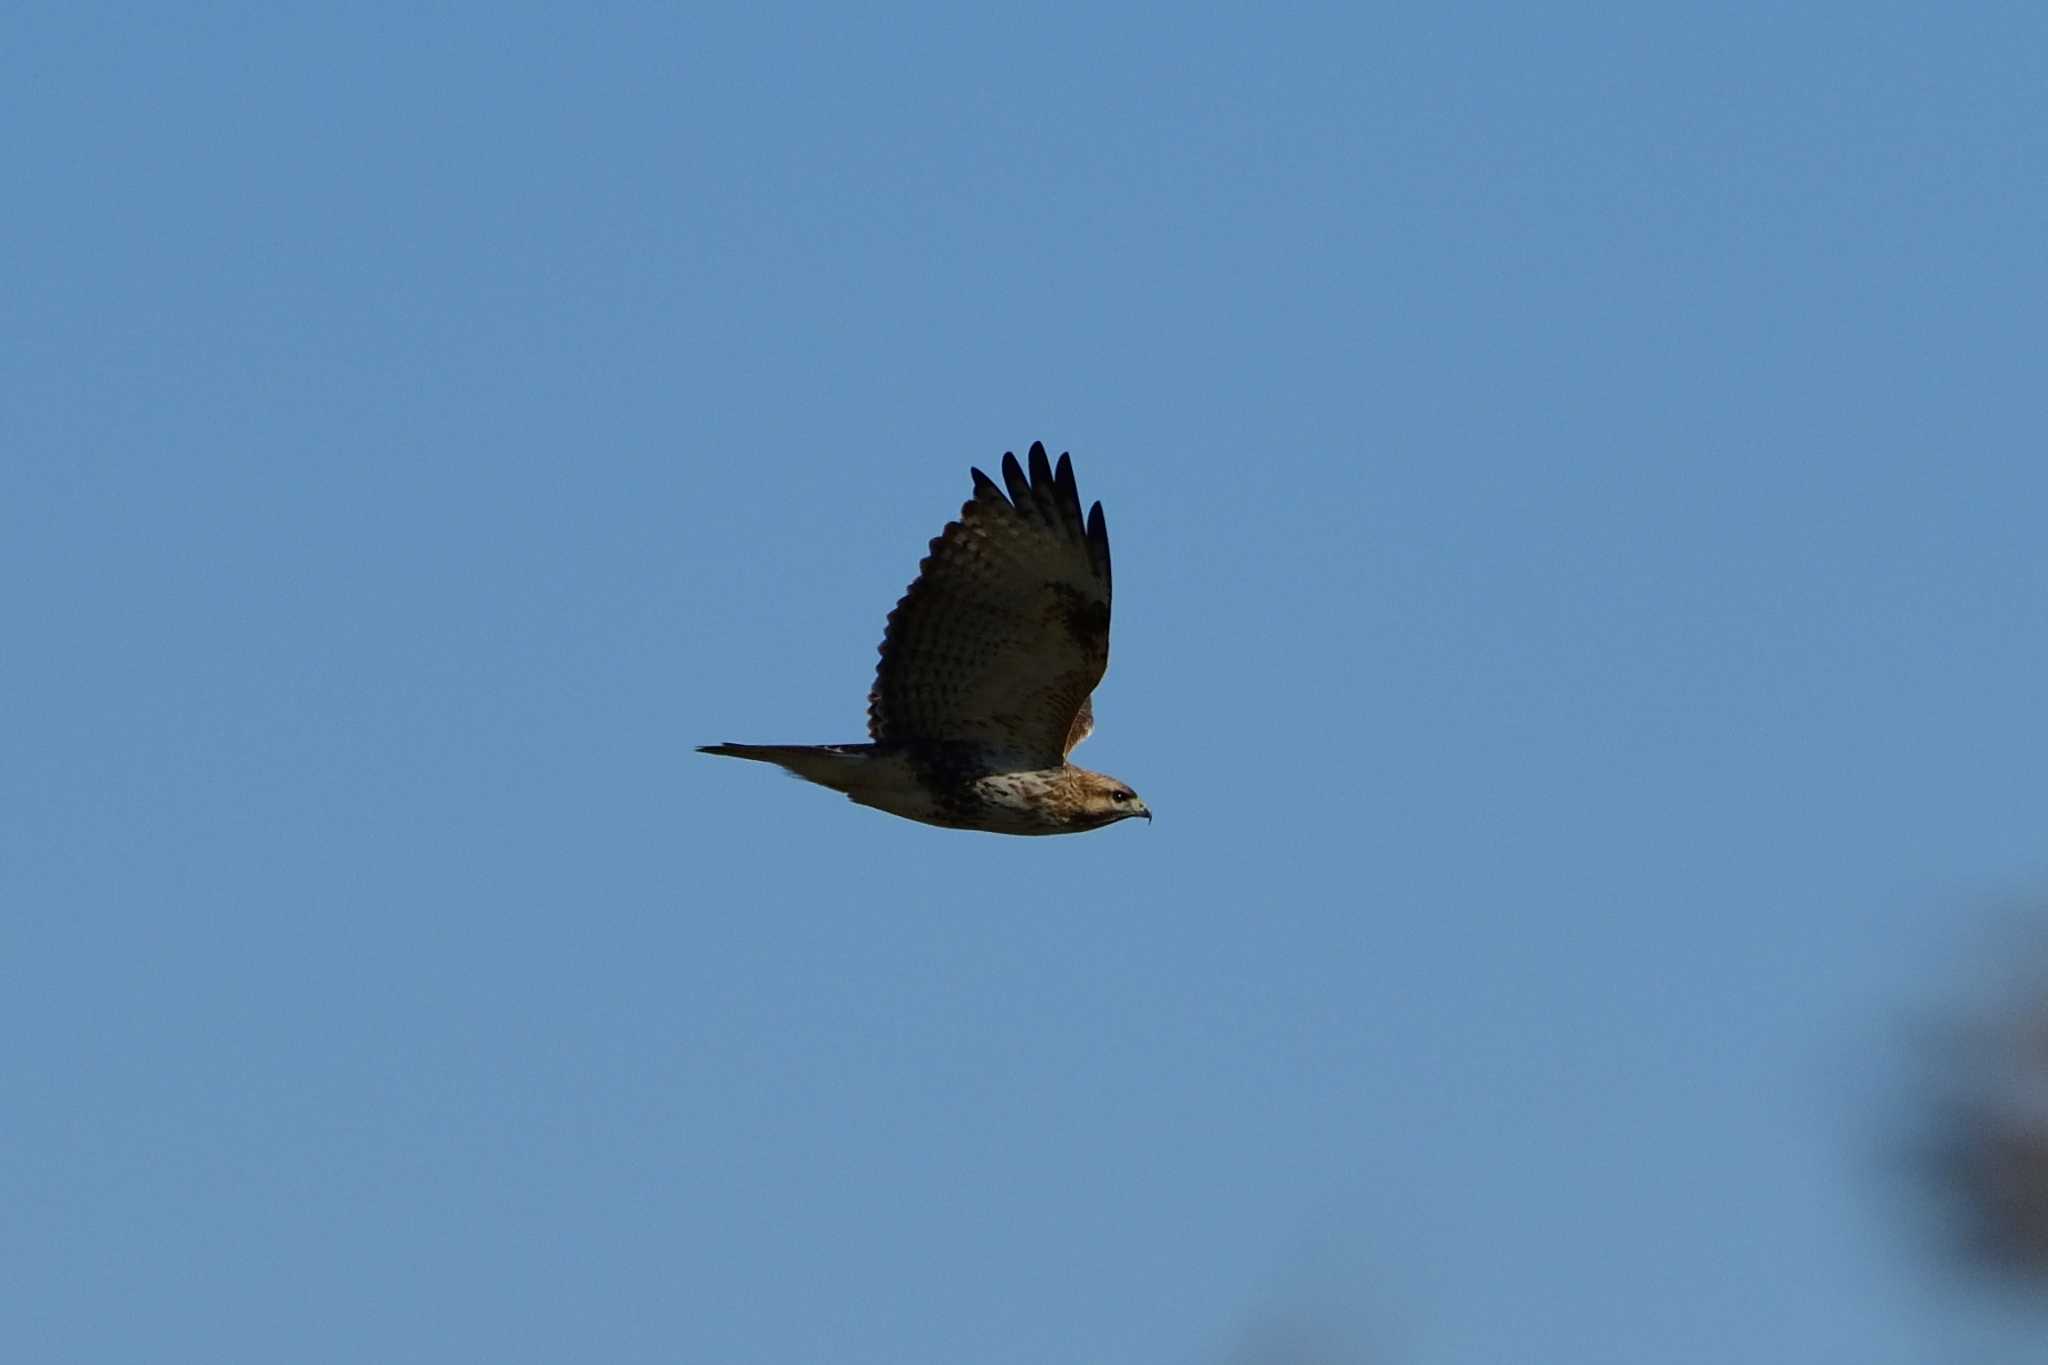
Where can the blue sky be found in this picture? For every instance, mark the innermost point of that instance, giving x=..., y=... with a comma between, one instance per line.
x=1576, y=480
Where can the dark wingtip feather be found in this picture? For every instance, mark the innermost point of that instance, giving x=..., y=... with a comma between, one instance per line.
x=1013, y=475
x=1068, y=497
x=1098, y=540
x=983, y=483
x=1041, y=468
x=1044, y=492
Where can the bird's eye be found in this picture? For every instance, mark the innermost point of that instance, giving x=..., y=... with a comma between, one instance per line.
x=1119, y=797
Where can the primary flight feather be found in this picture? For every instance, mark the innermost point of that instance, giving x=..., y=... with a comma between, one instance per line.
x=987, y=668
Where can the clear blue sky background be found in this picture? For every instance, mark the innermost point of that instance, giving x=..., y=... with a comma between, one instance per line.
x=1577, y=483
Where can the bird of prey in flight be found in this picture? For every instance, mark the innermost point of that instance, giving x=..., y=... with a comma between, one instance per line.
x=987, y=667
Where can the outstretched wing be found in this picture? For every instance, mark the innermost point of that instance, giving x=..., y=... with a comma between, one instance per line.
x=1006, y=630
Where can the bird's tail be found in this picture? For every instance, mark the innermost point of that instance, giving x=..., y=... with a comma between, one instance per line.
x=829, y=765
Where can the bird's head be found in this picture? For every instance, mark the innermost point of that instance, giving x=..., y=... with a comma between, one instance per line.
x=1104, y=801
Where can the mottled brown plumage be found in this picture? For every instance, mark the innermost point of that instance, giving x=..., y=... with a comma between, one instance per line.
x=987, y=666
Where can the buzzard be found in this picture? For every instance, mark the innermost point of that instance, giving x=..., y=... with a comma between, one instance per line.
x=987, y=666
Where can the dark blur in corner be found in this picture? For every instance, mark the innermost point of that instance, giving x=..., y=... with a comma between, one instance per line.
x=1979, y=1138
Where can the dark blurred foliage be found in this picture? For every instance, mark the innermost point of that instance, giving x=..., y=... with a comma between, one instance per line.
x=1986, y=1150
x=1980, y=1138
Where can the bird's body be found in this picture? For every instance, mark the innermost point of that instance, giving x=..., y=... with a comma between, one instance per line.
x=959, y=787
x=987, y=668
